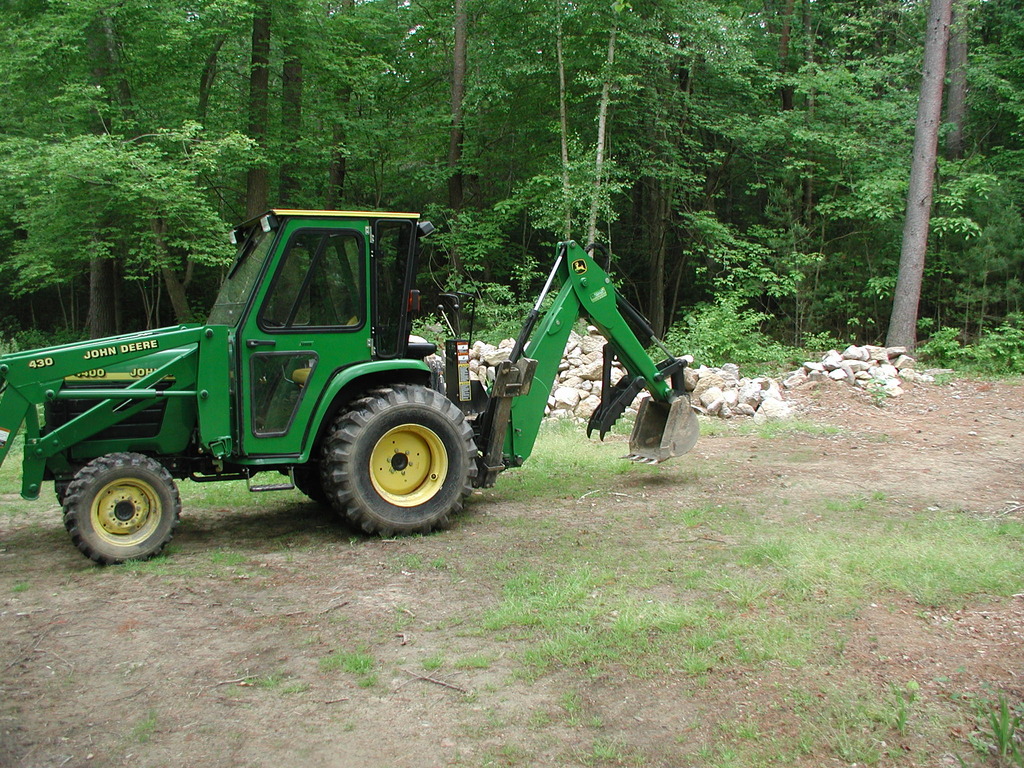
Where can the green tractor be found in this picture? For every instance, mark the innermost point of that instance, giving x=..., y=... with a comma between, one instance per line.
x=306, y=369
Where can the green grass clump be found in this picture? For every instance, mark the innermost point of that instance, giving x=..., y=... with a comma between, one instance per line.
x=358, y=663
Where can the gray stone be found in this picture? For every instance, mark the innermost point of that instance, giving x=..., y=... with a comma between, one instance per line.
x=881, y=354
x=566, y=397
x=856, y=353
x=832, y=360
x=915, y=377
x=587, y=407
x=750, y=393
x=889, y=371
x=838, y=375
x=590, y=371
x=770, y=390
x=793, y=380
x=773, y=410
x=689, y=379
x=904, y=361
x=730, y=372
x=496, y=356
x=709, y=396
x=590, y=345
x=708, y=381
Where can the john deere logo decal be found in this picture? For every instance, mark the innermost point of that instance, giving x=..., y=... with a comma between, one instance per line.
x=579, y=266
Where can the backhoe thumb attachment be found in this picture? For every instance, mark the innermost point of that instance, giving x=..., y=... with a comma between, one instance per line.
x=663, y=430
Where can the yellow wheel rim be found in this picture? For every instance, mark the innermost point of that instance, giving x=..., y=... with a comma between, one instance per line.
x=125, y=512
x=408, y=465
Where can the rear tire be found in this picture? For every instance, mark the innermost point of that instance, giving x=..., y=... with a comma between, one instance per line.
x=400, y=461
x=122, y=506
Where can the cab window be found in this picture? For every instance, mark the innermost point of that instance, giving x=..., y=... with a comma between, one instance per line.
x=319, y=284
x=392, y=280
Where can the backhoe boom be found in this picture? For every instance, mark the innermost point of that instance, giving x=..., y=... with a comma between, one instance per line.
x=587, y=291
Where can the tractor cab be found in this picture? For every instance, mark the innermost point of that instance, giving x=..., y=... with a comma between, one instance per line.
x=312, y=292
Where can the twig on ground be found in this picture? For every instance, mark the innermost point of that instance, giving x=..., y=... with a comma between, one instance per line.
x=330, y=608
x=601, y=490
x=236, y=681
x=435, y=681
x=26, y=654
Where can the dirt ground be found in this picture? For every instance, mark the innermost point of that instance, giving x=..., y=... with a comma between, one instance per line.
x=217, y=657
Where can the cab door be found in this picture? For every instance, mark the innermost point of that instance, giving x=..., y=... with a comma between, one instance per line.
x=310, y=321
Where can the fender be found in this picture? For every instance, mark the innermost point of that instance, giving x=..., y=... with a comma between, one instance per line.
x=349, y=379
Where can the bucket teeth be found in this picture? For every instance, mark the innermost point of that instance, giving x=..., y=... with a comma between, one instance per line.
x=641, y=459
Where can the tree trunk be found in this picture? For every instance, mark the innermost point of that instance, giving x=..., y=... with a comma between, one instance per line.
x=602, y=128
x=291, y=105
x=338, y=165
x=657, y=204
x=291, y=127
x=903, y=321
x=176, y=286
x=456, y=191
x=206, y=80
x=104, y=312
x=257, y=191
x=103, y=315
x=786, y=92
x=563, y=123
x=956, y=100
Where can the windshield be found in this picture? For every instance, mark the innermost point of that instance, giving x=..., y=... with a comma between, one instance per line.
x=237, y=288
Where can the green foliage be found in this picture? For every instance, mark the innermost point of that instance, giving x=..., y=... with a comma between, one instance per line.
x=726, y=332
x=999, y=351
x=737, y=168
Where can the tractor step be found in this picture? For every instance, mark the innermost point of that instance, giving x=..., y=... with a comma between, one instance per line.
x=290, y=485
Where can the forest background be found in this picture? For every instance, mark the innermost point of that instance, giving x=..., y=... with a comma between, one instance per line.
x=747, y=161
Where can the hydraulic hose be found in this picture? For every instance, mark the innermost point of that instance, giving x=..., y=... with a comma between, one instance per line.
x=531, y=318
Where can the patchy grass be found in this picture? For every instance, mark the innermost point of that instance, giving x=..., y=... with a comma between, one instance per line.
x=581, y=582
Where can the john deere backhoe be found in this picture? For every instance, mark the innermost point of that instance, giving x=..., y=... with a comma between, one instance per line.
x=306, y=369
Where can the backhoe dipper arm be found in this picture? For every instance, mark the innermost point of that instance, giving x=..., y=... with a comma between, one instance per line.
x=586, y=291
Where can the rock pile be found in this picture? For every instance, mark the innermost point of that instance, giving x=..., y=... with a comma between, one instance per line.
x=720, y=392
x=879, y=370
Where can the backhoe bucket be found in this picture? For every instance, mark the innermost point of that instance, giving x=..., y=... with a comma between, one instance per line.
x=663, y=430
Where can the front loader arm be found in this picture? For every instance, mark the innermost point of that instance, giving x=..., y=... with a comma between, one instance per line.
x=30, y=379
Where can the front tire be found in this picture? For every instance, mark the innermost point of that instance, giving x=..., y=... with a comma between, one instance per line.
x=400, y=461
x=122, y=506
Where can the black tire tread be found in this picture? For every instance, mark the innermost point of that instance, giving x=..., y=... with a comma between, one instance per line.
x=347, y=433
x=79, y=488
